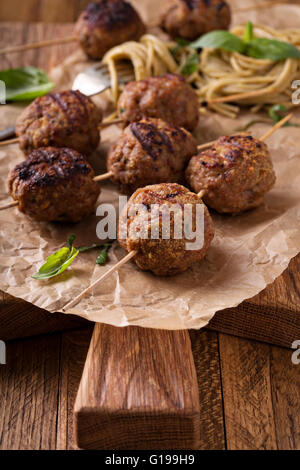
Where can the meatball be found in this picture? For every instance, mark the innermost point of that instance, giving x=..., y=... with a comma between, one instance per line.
x=190, y=19
x=54, y=185
x=168, y=97
x=164, y=255
x=150, y=151
x=105, y=24
x=66, y=119
x=235, y=173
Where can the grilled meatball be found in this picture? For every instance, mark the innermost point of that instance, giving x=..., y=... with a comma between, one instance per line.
x=235, y=172
x=168, y=97
x=105, y=24
x=150, y=151
x=54, y=185
x=164, y=256
x=190, y=19
x=66, y=119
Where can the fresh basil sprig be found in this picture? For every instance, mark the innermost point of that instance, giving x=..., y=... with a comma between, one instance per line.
x=25, y=83
x=58, y=262
x=278, y=112
x=258, y=48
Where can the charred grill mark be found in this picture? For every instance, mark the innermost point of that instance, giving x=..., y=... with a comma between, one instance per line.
x=109, y=14
x=172, y=195
x=83, y=100
x=61, y=103
x=151, y=139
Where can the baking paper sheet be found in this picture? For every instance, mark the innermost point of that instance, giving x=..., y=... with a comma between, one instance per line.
x=248, y=252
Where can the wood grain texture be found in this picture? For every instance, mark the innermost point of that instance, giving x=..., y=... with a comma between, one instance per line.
x=206, y=356
x=74, y=349
x=285, y=384
x=249, y=416
x=48, y=11
x=28, y=394
x=138, y=391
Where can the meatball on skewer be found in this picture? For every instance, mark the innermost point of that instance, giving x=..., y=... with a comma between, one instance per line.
x=161, y=255
x=149, y=151
x=234, y=173
x=65, y=119
x=54, y=185
x=190, y=19
x=101, y=26
x=168, y=97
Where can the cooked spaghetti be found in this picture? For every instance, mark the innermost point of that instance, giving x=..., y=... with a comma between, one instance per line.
x=219, y=73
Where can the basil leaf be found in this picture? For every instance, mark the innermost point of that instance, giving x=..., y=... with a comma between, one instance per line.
x=70, y=241
x=248, y=35
x=191, y=65
x=25, y=83
x=103, y=256
x=56, y=263
x=220, y=40
x=264, y=48
x=277, y=112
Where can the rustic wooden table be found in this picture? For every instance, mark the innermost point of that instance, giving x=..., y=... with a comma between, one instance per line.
x=249, y=391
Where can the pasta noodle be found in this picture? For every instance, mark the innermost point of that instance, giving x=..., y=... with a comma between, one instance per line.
x=219, y=73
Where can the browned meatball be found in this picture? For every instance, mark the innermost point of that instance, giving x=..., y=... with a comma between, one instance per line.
x=66, y=119
x=190, y=19
x=235, y=173
x=150, y=151
x=168, y=97
x=164, y=256
x=54, y=185
x=105, y=24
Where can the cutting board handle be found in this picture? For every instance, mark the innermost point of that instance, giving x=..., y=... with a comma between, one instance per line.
x=138, y=391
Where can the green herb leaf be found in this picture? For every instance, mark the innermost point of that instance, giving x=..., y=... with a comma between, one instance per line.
x=70, y=241
x=25, y=83
x=191, y=65
x=271, y=49
x=248, y=35
x=278, y=112
x=56, y=263
x=83, y=249
x=103, y=256
x=220, y=40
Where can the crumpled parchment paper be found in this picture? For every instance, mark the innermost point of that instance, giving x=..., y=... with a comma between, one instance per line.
x=248, y=252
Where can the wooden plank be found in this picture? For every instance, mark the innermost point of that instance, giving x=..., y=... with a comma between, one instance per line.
x=29, y=394
x=273, y=316
x=138, y=391
x=207, y=362
x=285, y=381
x=249, y=416
x=74, y=348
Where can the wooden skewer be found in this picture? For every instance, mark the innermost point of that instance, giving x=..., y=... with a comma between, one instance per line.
x=276, y=127
x=96, y=283
x=37, y=45
x=102, y=126
x=261, y=6
x=202, y=193
x=240, y=96
x=206, y=146
x=9, y=142
x=8, y=206
x=103, y=177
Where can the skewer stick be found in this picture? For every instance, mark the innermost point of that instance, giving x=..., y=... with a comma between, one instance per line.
x=9, y=142
x=102, y=126
x=276, y=127
x=96, y=283
x=37, y=45
x=206, y=146
x=241, y=96
x=202, y=193
x=103, y=177
x=7, y=206
x=263, y=5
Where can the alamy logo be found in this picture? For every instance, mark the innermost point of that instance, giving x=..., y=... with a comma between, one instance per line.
x=2, y=353
x=296, y=354
x=2, y=92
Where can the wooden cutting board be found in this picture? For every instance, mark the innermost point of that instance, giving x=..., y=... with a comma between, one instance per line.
x=139, y=387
